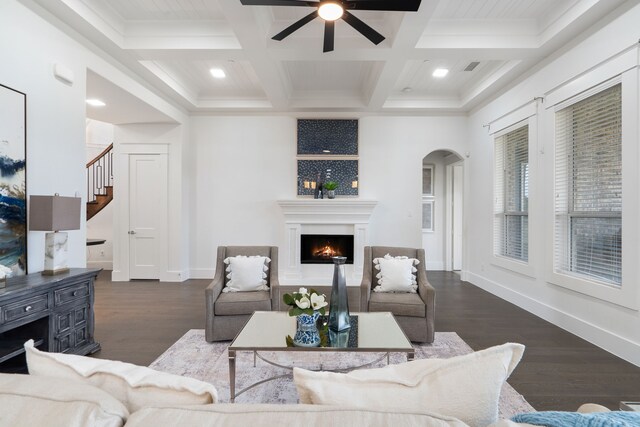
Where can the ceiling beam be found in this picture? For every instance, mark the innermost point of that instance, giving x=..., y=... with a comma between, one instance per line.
x=248, y=24
x=409, y=32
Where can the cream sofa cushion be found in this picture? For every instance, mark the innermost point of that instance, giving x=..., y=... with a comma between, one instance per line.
x=28, y=401
x=285, y=415
x=135, y=386
x=465, y=387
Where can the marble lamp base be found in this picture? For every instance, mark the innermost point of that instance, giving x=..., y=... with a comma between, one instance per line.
x=55, y=253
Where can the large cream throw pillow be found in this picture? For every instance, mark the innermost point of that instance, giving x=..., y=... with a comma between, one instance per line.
x=464, y=387
x=135, y=386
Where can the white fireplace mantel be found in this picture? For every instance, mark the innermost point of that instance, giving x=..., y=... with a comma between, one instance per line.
x=324, y=216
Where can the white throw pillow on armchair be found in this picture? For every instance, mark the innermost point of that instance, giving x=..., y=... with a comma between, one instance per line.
x=246, y=273
x=396, y=274
x=464, y=387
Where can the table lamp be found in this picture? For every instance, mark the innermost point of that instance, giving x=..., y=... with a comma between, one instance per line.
x=52, y=214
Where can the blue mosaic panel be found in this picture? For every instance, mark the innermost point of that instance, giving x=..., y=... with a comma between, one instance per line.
x=327, y=137
x=344, y=172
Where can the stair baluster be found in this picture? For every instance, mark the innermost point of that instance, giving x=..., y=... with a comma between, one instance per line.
x=99, y=182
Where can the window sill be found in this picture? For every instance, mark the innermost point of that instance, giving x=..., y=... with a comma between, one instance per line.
x=520, y=267
x=620, y=295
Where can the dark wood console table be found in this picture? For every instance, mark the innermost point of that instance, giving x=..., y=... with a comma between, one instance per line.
x=55, y=311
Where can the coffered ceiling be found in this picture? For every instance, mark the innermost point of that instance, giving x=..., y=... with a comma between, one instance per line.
x=173, y=44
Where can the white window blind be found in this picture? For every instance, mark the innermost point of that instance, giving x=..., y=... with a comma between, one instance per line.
x=588, y=206
x=511, y=211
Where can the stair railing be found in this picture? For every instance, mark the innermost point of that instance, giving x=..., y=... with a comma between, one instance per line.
x=100, y=174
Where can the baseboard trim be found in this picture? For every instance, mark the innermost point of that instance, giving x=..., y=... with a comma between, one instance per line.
x=609, y=341
x=202, y=273
x=174, y=276
x=105, y=265
x=435, y=266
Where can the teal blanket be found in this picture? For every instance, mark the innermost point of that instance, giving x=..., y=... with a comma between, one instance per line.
x=574, y=419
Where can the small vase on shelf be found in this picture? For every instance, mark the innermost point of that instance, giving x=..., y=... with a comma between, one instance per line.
x=307, y=334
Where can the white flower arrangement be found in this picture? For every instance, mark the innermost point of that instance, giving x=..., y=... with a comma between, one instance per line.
x=305, y=302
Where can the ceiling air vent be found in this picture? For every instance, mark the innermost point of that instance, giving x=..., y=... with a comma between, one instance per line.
x=472, y=66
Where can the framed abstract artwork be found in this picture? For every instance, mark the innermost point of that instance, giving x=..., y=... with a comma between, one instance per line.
x=427, y=215
x=427, y=180
x=13, y=180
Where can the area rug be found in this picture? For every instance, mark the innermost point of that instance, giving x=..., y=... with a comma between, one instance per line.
x=191, y=356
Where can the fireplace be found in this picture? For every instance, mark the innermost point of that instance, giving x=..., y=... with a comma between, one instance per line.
x=319, y=248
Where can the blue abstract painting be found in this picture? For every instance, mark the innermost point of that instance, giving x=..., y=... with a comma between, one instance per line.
x=13, y=185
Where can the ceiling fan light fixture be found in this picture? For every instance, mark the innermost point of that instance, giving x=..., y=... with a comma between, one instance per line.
x=330, y=11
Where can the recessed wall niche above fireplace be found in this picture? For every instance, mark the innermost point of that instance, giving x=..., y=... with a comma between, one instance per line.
x=320, y=248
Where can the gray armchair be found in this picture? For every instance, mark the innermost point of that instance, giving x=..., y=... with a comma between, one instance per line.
x=228, y=312
x=414, y=312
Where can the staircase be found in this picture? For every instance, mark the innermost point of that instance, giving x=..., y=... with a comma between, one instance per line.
x=99, y=182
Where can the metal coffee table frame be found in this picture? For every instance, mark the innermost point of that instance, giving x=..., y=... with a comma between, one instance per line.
x=287, y=325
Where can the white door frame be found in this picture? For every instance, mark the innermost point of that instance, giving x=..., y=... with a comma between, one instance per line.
x=121, y=219
x=449, y=211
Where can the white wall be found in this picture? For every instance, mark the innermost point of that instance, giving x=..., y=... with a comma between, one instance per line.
x=56, y=150
x=608, y=325
x=99, y=135
x=242, y=165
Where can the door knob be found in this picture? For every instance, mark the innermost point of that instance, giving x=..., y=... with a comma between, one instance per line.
x=132, y=232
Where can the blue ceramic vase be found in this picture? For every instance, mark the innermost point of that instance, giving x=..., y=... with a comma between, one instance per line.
x=307, y=334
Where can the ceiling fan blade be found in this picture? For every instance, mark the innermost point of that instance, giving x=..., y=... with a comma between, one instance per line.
x=279, y=3
x=329, y=35
x=373, y=36
x=390, y=5
x=295, y=26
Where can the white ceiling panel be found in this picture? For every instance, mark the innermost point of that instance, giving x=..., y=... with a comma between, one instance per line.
x=498, y=9
x=344, y=76
x=417, y=80
x=241, y=80
x=143, y=10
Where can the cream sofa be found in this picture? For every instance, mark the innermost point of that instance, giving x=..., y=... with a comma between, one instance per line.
x=70, y=390
x=30, y=401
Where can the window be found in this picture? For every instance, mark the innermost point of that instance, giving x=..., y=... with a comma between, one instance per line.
x=511, y=220
x=588, y=199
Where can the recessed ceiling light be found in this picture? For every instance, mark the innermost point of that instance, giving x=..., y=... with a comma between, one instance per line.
x=95, y=103
x=440, y=72
x=218, y=73
x=330, y=11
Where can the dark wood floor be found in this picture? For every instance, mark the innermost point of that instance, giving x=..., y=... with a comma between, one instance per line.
x=137, y=321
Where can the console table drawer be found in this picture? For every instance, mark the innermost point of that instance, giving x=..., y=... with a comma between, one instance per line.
x=24, y=308
x=71, y=293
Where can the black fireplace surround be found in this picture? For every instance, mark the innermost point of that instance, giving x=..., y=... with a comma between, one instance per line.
x=319, y=248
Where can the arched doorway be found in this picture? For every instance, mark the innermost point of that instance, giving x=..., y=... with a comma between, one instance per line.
x=442, y=209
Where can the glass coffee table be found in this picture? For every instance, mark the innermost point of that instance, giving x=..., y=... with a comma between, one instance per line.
x=268, y=331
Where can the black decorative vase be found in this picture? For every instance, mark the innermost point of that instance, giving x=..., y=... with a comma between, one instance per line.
x=339, y=303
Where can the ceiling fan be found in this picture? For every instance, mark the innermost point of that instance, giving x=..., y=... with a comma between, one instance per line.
x=332, y=10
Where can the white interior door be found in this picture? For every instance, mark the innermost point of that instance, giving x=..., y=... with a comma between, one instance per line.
x=457, y=217
x=146, y=181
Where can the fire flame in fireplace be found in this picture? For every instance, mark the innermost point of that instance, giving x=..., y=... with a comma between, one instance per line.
x=325, y=251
